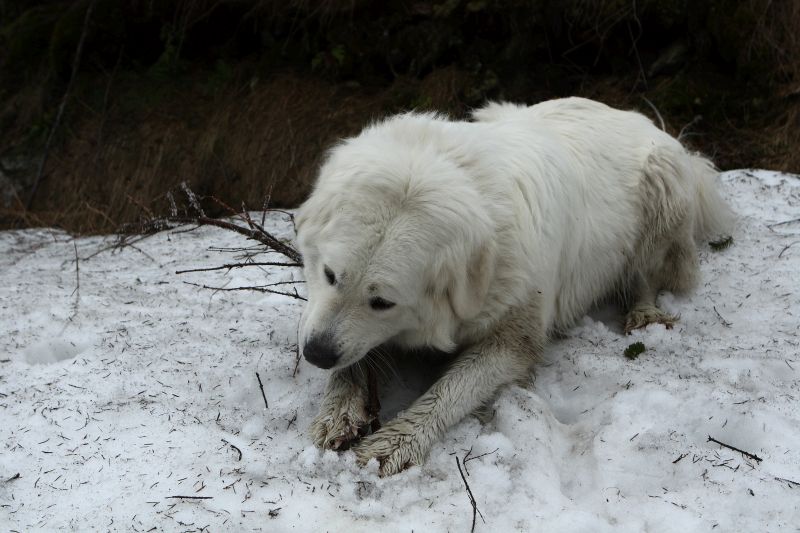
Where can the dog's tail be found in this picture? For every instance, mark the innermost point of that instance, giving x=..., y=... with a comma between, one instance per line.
x=713, y=218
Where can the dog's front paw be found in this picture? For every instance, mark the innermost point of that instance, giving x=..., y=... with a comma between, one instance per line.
x=340, y=422
x=397, y=446
x=641, y=317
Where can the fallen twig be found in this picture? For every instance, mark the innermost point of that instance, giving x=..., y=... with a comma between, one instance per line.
x=724, y=322
x=254, y=288
x=746, y=454
x=296, y=359
x=475, y=510
x=263, y=395
x=77, y=290
x=655, y=110
x=472, y=458
x=234, y=446
x=190, y=497
x=231, y=266
x=787, y=247
x=12, y=478
x=783, y=223
x=373, y=400
x=789, y=481
x=257, y=234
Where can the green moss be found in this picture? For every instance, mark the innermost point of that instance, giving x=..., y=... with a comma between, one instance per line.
x=721, y=244
x=634, y=350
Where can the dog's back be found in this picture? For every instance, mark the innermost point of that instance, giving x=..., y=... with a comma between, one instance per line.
x=636, y=200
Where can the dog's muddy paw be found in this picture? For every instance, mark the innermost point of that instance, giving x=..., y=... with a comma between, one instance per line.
x=396, y=446
x=337, y=426
x=641, y=317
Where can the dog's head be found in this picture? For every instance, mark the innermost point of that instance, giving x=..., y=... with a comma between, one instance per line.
x=397, y=249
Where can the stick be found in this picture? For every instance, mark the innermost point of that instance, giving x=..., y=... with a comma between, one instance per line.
x=255, y=234
x=77, y=291
x=475, y=510
x=191, y=497
x=789, y=481
x=261, y=385
x=655, y=110
x=238, y=265
x=746, y=454
x=296, y=359
x=787, y=247
x=193, y=201
x=258, y=289
x=373, y=401
x=235, y=447
x=783, y=223
x=724, y=322
x=466, y=459
x=682, y=134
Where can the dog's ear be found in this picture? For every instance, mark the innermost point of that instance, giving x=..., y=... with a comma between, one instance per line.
x=470, y=279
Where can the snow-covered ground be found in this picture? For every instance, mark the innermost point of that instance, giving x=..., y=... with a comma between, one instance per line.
x=138, y=387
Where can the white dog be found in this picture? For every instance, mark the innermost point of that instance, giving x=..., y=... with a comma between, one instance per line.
x=481, y=239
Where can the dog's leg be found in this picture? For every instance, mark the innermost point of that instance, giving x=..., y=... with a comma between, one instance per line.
x=673, y=267
x=644, y=310
x=473, y=379
x=667, y=256
x=344, y=413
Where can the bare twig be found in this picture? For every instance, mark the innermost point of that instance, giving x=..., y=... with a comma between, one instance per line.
x=373, y=400
x=231, y=266
x=724, y=322
x=472, y=458
x=190, y=497
x=77, y=290
x=253, y=288
x=655, y=110
x=789, y=481
x=119, y=244
x=234, y=446
x=787, y=247
x=792, y=221
x=746, y=454
x=193, y=201
x=258, y=234
x=475, y=510
x=263, y=395
x=296, y=359
x=57, y=122
x=683, y=133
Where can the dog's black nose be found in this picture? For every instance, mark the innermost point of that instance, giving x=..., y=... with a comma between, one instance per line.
x=319, y=352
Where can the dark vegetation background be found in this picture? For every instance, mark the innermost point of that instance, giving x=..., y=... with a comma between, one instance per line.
x=107, y=104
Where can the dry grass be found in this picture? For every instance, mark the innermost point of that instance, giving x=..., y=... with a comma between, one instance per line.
x=250, y=138
x=265, y=138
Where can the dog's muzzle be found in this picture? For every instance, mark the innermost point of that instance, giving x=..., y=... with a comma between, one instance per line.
x=319, y=351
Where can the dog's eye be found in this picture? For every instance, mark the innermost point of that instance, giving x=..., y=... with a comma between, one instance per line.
x=379, y=304
x=330, y=275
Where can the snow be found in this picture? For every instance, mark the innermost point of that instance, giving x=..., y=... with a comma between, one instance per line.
x=136, y=387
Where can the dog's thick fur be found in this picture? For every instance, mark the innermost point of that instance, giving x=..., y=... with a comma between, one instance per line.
x=488, y=236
